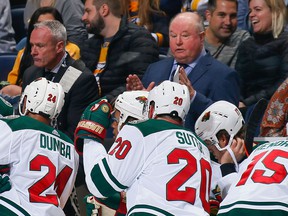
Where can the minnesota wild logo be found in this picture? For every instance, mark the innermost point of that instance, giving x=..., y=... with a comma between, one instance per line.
x=142, y=99
x=206, y=117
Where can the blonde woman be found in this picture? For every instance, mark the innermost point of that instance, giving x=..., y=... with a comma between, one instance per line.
x=262, y=61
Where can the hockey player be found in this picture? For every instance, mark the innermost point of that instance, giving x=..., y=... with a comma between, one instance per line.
x=128, y=107
x=43, y=161
x=225, y=120
x=164, y=168
x=260, y=187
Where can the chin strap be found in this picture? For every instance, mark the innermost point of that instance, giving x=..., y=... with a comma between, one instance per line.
x=232, y=153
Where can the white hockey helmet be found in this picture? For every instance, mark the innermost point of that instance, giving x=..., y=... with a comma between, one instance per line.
x=170, y=98
x=221, y=115
x=42, y=97
x=131, y=104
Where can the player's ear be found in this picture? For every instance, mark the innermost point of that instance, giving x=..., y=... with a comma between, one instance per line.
x=223, y=141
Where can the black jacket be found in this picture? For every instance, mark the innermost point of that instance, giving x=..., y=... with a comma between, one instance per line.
x=81, y=94
x=131, y=50
x=262, y=65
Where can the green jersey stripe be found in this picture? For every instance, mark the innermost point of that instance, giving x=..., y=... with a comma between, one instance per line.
x=116, y=182
x=19, y=208
x=102, y=184
x=253, y=212
x=162, y=211
x=255, y=204
x=6, y=211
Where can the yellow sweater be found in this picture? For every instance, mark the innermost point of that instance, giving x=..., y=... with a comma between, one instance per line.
x=71, y=48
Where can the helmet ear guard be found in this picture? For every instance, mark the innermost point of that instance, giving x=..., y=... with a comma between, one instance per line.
x=131, y=104
x=170, y=98
x=42, y=97
x=221, y=115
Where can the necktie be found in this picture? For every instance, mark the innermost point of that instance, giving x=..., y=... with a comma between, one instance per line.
x=173, y=72
x=49, y=75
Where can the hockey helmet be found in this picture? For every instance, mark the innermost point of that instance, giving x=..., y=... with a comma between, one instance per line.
x=221, y=115
x=130, y=104
x=42, y=97
x=170, y=98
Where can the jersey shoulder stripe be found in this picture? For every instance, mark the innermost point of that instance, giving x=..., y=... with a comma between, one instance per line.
x=253, y=212
x=101, y=183
x=7, y=207
x=253, y=208
x=145, y=209
x=26, y=123
x=151, y=126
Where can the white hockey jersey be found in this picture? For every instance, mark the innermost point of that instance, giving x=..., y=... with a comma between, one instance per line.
x=164, y=168
x=261, y=186
x=43, y=164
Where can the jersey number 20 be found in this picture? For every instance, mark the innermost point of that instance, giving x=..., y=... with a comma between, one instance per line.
x=189, y=194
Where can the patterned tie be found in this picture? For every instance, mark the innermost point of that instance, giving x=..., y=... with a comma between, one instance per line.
x=173, y=72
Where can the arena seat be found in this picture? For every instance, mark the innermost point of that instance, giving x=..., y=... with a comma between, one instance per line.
x=6, y=64
x=18, y=22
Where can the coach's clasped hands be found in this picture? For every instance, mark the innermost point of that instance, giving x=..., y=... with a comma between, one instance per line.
x=93, y=123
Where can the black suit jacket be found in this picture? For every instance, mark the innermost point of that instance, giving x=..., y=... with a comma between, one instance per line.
x=81, y=94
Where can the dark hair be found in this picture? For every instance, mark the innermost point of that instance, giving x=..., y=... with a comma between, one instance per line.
x=240, y=133
x=114, y=6
x=26, y=60
x=212, y=4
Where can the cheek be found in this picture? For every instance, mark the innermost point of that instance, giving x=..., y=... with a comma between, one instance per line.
x=172, y=44
x=193, y=47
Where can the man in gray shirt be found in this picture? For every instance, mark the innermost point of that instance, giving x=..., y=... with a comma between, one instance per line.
x=7, y=41
x=222, y=37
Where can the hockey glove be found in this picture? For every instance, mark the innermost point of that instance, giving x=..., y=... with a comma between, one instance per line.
x=93, y=123
x=6, y=108
x=111, y=206
x=5, y=184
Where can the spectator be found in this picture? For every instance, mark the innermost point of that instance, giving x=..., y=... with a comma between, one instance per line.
x=24, y=58
x=7, y=41
x=117, y=47
x=209, y=79
x=43, y=161
x=71, y=11
x=147, y=13
x=222, y=38
x=150, y=186
x=262, y=61
x=274, y=122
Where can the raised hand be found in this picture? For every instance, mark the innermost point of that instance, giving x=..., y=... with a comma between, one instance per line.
x=93, y=123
